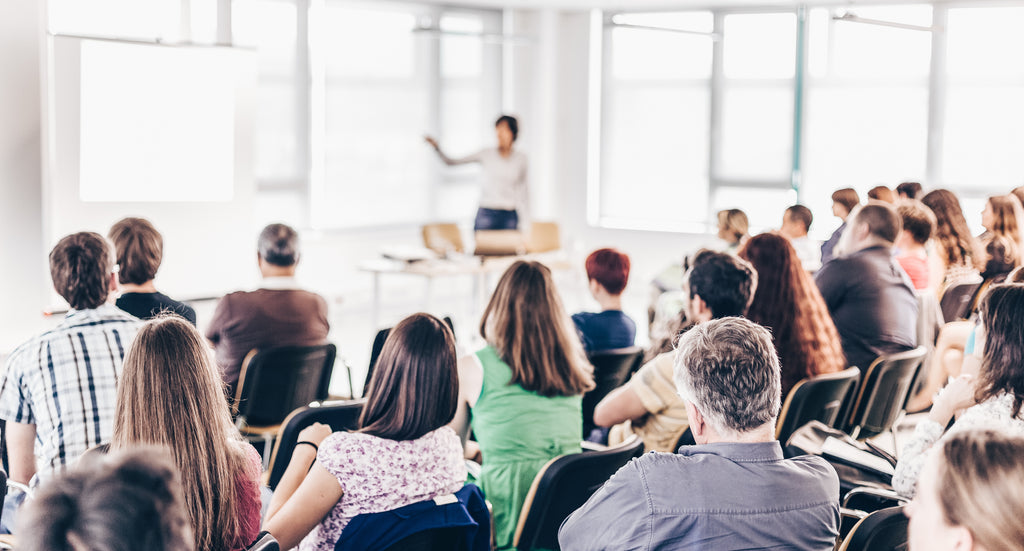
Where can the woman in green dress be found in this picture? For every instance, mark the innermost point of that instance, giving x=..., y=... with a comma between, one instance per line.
x=523, y=389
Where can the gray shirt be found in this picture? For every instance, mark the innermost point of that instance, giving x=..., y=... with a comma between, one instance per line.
x=504, y=179
x=715, y=496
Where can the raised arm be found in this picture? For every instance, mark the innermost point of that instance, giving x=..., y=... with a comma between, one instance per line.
x=474, y=158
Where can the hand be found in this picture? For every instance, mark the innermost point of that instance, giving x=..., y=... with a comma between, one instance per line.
x=957, y=395
x=315, y=433
x=430, y=140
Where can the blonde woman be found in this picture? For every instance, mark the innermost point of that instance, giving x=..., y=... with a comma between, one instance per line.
x=971, y=495
x=733, y=228
x=524, y=389
x=1002, y=238
x=170, y=395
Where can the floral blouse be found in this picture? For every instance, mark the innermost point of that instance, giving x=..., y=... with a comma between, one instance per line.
x=377, y=474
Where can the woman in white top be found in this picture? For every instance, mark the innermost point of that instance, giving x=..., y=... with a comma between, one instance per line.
x=504, y=199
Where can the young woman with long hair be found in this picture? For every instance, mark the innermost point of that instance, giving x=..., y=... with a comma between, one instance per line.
x=1002, y=238
x=958, y=255
x=403, y=453
x=733, y=228
x=788, y=302
x=524, y=389
x=170, y=395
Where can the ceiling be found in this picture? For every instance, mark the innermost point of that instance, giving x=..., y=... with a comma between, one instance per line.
x=648, y=5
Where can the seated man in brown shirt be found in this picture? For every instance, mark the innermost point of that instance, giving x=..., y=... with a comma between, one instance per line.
x=279, y=313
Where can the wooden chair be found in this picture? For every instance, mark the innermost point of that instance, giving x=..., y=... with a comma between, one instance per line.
x=819, y=398
x=544, y=237
x=884, y=530
x=443, y=238
x=563, y=485
x=883, y=394
x=276, y=381
x=339, y=415
x=611, y=369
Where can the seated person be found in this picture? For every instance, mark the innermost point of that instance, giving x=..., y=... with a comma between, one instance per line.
x=971, y=495
x=1002, y=238
x=843, y=202
x=139, y=250
x=733, y=228
x=404, y=453
x=918, y=227
x=734, y=489
x=908, y=190
x=279, y=313
x=717, y=285
x=795, y=223
x=611, y=328
x=882, y=193
x=127, y=500
x=869, y=296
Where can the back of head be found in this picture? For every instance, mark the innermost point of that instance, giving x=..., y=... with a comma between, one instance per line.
x=951, y=229
x=846, y=197
x=279, y=245
x=529, y=329
x=139, y=249
x=725, y=283
x=122, y=502
x=734, y=224
x=882, y=220
x=917, y=219
x=728, y=370
x=909, y=190
x=1002, y=314
x=415, y=386
x=170, y=394
x=1006, y=211
x=1018, y=192
x=610, y=268
x=882, y=193
x=801, y=214
x=80, y=266
x=980, y=483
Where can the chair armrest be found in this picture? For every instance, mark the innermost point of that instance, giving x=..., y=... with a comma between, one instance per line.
x=877, y=493
x=592, y=446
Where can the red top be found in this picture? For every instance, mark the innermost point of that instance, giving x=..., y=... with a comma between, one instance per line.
x=248, y=495
x=917, y=269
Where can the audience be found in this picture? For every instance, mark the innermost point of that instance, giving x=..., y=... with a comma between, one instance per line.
x=908, y=190
x=717, y=285
x=58, y=390
x=992, y=397
x=870, y=297
x=404, y=452
x=843, y=202
x=279, y=313
x=958, y=257
x=918, y=227
x=882, y=193
x=523, y=389
x=788, y=303
x=139, y=251
x=732, y=228
x=1002, y=238
x=970, y=495
x=170, y=395
x=734, y=489
x=122, y=502
x=611, y=328
x=796, y=221
x=1018, y=192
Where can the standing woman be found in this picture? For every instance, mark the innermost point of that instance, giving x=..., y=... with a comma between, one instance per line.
x=505, y=198
x=524, y=389
x=170, y=395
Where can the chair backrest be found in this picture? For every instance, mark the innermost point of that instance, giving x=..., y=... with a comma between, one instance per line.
x=956, y=300
x=819, y=398
x=883, y=393
x=378, y=345
x=611, y=369
x=340, y=415
x=276, y=381
x=563, y=485
x=884, y=530
x=443, y=238
x=264, y=542
x=544, y=237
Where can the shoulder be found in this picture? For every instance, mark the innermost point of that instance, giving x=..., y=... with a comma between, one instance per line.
x=582, y=318
x=814, y=468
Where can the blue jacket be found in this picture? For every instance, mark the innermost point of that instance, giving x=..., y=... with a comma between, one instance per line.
x=373, y=531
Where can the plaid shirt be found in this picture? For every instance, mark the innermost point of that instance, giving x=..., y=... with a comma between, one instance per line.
x=65, y=383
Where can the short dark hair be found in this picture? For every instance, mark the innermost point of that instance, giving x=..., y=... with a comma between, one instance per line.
x=610, y=268
x=513, y=125
x=139, y=249
x=801, y=214
x=725, y=283
x=126, y=500
x=917, y=219
x=279, y=245
x=80, y=266
x=414, y=388
x=882, y=220
x=846, y=197
x=910, y=189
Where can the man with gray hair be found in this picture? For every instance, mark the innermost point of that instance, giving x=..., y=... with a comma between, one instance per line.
x=734, y=489
x=279, y=313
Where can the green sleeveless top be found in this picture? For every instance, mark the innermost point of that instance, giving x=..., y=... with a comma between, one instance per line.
x=518, y=432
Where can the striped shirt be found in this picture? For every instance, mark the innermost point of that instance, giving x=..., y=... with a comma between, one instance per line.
x=65, y=383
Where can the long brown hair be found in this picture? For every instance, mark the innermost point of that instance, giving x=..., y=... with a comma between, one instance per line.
x=1005, y=232
x=951, y=231
x=529, y=329
x=1002, y=363
x=788, y=302
x=415, y=386
x=170, y=395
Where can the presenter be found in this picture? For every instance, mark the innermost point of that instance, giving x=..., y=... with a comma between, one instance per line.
x=504, y=199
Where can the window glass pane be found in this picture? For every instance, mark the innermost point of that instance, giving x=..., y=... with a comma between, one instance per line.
x=269, y=26
x=130, y=19
x=661, y=55
x=764, y=207
x=277, y=154
x=368, y=43
x=985, y=42
x=984, y=137
x=757, y=133
x=865, y=50
x=203, y=21
x=760, y=45
x=461, y=56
